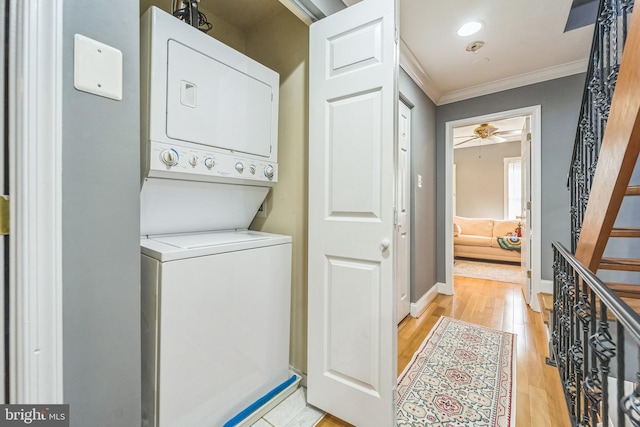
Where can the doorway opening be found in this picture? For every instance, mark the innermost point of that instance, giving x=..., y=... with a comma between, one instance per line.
x=487, y=203
x=482, y=158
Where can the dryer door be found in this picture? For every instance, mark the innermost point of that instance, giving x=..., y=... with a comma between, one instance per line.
x=214, y=104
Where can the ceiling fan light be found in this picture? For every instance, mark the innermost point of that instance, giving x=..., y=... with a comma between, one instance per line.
x=469, y=28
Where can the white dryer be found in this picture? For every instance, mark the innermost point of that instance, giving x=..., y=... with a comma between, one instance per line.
x=216, y=296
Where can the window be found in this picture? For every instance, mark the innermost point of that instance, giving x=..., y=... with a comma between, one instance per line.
x=512, y=187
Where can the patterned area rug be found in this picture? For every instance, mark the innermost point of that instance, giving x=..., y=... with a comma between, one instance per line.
x=462, y=375
x=488, y=270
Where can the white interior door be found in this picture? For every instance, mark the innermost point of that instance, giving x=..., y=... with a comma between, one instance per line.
x=525, y=217
x=352, y=330
x=403, y=202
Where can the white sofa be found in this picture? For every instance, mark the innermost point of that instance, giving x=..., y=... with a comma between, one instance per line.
x=477, y=238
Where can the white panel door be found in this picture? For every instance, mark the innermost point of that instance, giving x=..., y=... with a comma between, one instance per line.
x=525, y=217
x=352, y=313
x=403, y=202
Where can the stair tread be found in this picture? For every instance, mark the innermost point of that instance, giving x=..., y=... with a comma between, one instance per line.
x=625, y=232
x=624, y=264
x=633, y=190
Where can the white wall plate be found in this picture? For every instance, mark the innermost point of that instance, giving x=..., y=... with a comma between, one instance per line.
x=97, y=68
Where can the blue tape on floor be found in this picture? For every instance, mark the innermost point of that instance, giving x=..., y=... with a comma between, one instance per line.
x=258, y=403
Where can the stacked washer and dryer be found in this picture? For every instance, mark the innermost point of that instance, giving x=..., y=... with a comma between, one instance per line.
x=215, y=295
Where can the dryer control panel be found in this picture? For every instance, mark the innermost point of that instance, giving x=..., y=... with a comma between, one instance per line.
x=189, y=161
x=209, y=112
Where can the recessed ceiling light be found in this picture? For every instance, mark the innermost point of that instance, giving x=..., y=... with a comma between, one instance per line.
x=469, y=28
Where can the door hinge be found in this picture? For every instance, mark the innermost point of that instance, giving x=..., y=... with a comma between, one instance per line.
x=529, y=136
x=395, y=216
x=528, y=274
x=528, y=206
x=4, y=215
x=397, y=36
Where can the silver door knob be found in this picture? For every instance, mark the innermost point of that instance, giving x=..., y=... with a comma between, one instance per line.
x=385, y=244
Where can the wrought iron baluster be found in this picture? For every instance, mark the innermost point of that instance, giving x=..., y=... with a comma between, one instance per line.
x=583, y=313
x=610, y=33
x=620, y=373
x=604, y=349
x=588, y=347
x=631, y=404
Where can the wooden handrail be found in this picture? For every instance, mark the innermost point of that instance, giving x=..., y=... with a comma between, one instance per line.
x=618, y=155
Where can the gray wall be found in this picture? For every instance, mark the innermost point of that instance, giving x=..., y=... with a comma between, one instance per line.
x=480, y=179
x=100, y=226
x=560, y=100
x=423, y=202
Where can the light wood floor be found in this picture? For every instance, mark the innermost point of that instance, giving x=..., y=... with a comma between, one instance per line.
x=539, y=398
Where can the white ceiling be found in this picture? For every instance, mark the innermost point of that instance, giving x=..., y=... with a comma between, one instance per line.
x=525, y=44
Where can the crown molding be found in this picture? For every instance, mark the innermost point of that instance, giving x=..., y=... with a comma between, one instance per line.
x=411, y=65
x=526, y=79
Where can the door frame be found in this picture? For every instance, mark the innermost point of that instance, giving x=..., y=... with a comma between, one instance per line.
x=35, y=163
x=536, y=194
x=402, y=99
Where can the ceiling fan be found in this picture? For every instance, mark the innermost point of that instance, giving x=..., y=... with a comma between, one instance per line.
x=490, y=132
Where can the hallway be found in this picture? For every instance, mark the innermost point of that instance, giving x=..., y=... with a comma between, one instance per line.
x=498, y=305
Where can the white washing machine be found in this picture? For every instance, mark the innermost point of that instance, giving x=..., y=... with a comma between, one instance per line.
x=215, y=320
x=216, y=296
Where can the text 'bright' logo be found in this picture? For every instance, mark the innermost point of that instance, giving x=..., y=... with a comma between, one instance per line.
x=27, y=416
x=38, y=415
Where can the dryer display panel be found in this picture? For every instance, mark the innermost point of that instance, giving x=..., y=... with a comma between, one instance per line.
x=215, y=104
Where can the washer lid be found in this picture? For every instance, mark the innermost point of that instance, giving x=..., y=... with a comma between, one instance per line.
x=193, y=241
x=171, y=247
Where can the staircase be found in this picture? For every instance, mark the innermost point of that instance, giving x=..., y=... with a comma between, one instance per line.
x=594, y=319
x=606, y=176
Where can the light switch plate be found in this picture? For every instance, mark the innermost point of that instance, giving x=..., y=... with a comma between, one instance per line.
x=97, y=68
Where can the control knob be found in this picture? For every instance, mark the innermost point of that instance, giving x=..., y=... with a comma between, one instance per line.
x=193, y=161
x=252, y=169
x=268, y=172
x=209, y=163
x=169, y=157
x=239, y=167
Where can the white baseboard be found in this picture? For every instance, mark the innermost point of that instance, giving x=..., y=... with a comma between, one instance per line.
x=418, y=307
x=445, y=289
